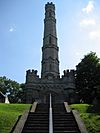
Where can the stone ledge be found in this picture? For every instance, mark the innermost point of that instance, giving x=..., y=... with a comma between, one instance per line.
x=67, y=107
x=33, y=107
x=79, y=121
x=21, y=122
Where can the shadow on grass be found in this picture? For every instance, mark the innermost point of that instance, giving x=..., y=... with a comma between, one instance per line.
x=15, y=123
x=94, y=109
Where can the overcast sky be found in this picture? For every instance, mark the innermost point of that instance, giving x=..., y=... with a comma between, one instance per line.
x=21, y=34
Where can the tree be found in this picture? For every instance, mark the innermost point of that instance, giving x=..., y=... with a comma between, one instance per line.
x=12, y=88
x=88, y=77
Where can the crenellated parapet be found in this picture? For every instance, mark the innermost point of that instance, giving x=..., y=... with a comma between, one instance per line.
x=68, y=73
x=31, y=76
x=34, y=72
x=69, y=76
x=50, y=4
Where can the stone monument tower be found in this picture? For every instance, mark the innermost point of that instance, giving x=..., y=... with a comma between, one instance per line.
x=50, y=62
x=38, y=89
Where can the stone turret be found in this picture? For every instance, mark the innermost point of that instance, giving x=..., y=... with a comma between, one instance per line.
x=69, y=78
x=69, y=73
x=31, y=76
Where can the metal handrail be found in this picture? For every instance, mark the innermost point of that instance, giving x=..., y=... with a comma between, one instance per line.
x=50, y=117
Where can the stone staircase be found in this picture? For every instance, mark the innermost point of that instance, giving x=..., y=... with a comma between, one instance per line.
x=38, y=121
x=63, y=122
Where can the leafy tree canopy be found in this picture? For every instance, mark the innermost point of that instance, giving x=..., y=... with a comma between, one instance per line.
x=11, y=88
x=88, y=77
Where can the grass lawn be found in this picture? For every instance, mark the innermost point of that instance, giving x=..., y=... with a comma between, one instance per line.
x=9, y=114
x=90, y=115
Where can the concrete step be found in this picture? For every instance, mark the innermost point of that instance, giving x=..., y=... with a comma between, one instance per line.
x=36, y=128
x=65, y=128
x=34, y=131
x=64, y=124
x=66, y=132
x=40, y=122
x=37, y=124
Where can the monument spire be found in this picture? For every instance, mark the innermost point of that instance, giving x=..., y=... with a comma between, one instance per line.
x=50, y=61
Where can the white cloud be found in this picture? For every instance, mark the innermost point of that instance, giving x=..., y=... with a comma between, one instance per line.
x=11, y=29
x=89, y=8
x=94, y=34
x=87, y=22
